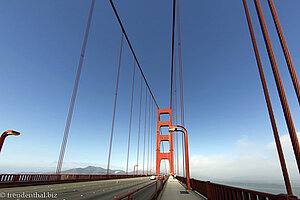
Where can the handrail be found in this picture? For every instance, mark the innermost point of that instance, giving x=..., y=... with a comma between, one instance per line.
x=153, y=196
x=32, y=179
x=214, y=191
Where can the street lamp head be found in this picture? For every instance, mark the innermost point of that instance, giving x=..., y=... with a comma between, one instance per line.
x=12, y=132
x=172, y=129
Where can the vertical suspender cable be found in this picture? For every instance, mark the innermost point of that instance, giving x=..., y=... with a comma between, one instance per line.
x=150, y=136
x=149, y=128
x=145, y=132
x=175, y=112
x=155, y=143
x=180, y=82
x=131, y=105
x=180, y=65
x=115, y=106
x=165, y=164
x=268, y=101
x=172, y=59
x=154, y=138
x=283, y=100
x=149, y=125
x=285, y=50
x=177, y=154
x=74, y=94
x=139, y=132
x=147, y=142
x=172, y=111
x=183, y=157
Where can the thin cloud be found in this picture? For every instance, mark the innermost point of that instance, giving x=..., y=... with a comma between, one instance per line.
x=254, y=163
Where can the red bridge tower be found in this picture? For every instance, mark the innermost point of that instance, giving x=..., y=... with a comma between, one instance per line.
x=159, y=138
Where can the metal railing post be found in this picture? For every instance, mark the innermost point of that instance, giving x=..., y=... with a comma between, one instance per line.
x=208, y=190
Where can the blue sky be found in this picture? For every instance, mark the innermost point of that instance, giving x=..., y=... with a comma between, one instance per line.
x=225, y=109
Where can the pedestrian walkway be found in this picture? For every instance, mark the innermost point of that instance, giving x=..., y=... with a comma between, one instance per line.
x=173, y=190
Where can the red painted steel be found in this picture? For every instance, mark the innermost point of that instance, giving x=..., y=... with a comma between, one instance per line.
x=2, y=138
x=215, y=191
x=36, y=179
x=151, y=138
x=115, y=106
x=187, y=165
x=175, y=120
x=285, y=50
x=281, y=92
x=180, y=65
x=184, y=131
x=139, y=132
x=131, y=106
x=269, y=105
x=5, y=134
x=149, y=125
x=132, y=51
x=153, y=196
x=172, y=58
x=180, y=80
x=159, y=138
x=145, y=129
x=157, y=191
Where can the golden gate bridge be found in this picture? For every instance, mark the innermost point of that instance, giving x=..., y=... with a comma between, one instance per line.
x=165, y=187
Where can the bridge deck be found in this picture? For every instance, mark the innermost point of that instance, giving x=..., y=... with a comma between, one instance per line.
x=175, y=191
x=104, y=189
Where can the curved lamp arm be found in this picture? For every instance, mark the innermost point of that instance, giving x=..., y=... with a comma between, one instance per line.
x=184, y=131
x=5, y=134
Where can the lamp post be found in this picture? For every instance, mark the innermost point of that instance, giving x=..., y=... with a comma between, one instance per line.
x=134, y=169
x=5, y=134
x=184, y=131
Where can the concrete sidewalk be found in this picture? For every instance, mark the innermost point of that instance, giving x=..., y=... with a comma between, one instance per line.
x=173, y=190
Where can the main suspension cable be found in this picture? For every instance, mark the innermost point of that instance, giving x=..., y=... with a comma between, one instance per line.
x=132, y=51
x=172, y=59
x=180, y=65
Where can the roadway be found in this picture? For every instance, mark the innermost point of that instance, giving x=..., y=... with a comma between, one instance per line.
x=104, y=189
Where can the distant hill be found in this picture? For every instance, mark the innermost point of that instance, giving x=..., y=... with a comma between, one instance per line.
x=86, y=170
x=92, y=170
